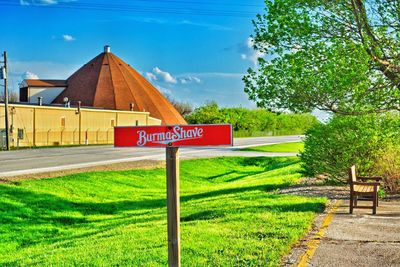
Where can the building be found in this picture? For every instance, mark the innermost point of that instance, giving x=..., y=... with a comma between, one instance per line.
x=105, y=82
x=48, y=90
x=35, y=125
x=83, y=109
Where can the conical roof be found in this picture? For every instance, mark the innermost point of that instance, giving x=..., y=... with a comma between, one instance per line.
x=108, y=82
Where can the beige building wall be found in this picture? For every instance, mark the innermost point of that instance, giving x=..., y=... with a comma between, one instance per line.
x=153, y=121
x=98, y=128
x=53, y=126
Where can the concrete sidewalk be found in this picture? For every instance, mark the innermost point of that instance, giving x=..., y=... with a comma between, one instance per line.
x=361, y=239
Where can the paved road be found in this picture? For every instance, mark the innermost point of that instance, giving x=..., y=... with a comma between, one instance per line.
x=53, y=159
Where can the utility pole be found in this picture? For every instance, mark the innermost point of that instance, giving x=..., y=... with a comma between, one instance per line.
x=6, y=100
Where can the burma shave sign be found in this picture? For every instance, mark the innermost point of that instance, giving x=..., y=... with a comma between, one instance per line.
x=174, y=135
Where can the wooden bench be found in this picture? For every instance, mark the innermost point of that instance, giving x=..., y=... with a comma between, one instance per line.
x=362, y=190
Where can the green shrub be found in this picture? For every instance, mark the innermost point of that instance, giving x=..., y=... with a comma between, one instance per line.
x=207, y=114
x=346, y=140
x=252, y=122
x=388, y=166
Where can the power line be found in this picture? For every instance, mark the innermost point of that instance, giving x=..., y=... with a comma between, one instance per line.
x=143, y=9
x=184, y=2
x=201, y=3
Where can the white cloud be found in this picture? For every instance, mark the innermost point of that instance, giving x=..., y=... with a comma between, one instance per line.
x=159, y=75
x=164, y=91
x=216, y=27
x=42, y=69
x=189, y=79
x=166, y=76
x=68, y=38
x=172, y=22
x=150, y=76
x=218, y=74
x=43, y=2
x=250, y=53
x=47, y=2
x=29, y=75
x=38, y=2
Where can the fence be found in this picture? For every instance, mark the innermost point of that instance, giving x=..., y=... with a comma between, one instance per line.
x=57, y=126
x=51, y=137
x=2, y=139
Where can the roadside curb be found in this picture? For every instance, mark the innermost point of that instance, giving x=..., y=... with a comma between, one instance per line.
x=313, y=244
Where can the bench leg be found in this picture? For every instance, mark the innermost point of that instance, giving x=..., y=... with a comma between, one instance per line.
x=351, y=203
x=375, y=203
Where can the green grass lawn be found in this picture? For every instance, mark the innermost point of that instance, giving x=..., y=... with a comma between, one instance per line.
x=283, y=147
x=230, y=216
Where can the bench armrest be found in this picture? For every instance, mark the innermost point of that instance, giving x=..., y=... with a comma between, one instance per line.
x=376, y=178
x=366, y=183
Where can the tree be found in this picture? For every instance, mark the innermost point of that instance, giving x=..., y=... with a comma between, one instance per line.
x=184, y=108
x=12, y=96
x=335, y=55
x=249, y=121
x=207, y=114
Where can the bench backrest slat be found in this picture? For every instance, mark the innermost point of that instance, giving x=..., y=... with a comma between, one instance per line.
x=352, y=174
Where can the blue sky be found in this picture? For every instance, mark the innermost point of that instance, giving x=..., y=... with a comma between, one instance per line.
x=193, y=50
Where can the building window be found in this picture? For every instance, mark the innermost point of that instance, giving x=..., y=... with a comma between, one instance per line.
x=23, y=94
x=62, y=121
x=137, y=123
x=20, y=133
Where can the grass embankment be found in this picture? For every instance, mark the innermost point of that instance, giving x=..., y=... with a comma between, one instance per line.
x=283, y=147
x=230, y=216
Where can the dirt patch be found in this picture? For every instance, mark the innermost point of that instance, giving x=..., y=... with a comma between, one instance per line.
x=331, y=192
x=143, y=164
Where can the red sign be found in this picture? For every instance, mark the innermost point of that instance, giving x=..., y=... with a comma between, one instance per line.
x=174, y=135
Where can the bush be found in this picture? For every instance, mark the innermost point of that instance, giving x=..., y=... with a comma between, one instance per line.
x=388, y=166
x=207, y=114
x=332, y=148
x=252, y=122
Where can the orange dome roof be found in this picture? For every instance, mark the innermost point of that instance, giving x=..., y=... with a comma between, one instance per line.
x=108, y=82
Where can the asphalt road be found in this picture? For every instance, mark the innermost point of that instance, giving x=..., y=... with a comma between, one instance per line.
x=28, y=161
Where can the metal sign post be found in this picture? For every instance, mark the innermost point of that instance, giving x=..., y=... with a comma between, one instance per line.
x=172, y=137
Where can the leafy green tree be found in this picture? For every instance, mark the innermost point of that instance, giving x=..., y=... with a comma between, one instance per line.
x=233, y=116
x=207, y=114
x=249, y=121
x=266, y=119
x=240, y=118
x=299, y=122
x=341, y=56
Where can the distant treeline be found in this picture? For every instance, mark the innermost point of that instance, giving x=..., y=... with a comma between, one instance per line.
x=252, y=122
